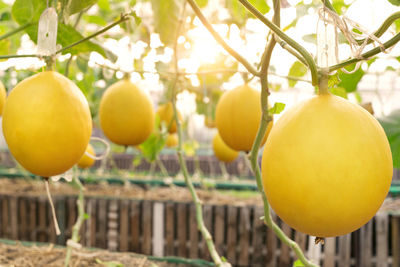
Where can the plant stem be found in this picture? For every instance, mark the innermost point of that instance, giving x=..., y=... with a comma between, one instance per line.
x=253, y=157
x=302, y=51
x=161, y=165
x=21, y=28
x=220, y=40
x=367, y=55
x=123, y=18
x=79, y=221
x=199, y=211
x=380, y=31
x=17, y=56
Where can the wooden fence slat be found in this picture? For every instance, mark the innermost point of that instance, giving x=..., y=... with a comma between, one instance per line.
x=112, y=225
x=259, y=230
x=42, y=233
x=147, y=227
x=382, y=222
x=182, y=229
x=244, y=237
x=14, y=217
x=123, y=225
x=135, y=226
x=314, y=250
x=272, y=243
x=219, y=229
x=207, y=216
x=158, y=229
x=51, y=230
x=193, y=233
x=101, y=240
x=71, y=207
x=329, y=252
x=23, y=219
x=231, y=238
x=396, y=241
x=4, y=217
x=32, y=219
x=301, y=239
x=344, y=250
x=169, y=229
x=60, y=211
x=284, y=257
x=92, y=203
x=366, y=245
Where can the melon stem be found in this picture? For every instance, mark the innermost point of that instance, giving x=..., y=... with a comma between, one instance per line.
x=323, y=83
x=53, y=211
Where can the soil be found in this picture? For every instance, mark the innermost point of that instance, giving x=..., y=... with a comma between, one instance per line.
x=50, y=256
x=36, y=187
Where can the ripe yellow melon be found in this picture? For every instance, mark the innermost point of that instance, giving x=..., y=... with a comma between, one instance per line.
x=172, y=140
x=3, y=95
x=166, y=115
x=86, y=161
x=238, y=116
x=222, y=151
x=47, y=123
x=126, y=114
x=326, y=166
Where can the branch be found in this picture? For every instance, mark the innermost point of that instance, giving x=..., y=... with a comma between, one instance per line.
x=302, y=51
x=380, y=31
x=367, y=55
x=17, y=56
x=123, y=18
x=21, y=28
x=253, y=157
x=81, y=218
x=220, y=40
x=199, y=211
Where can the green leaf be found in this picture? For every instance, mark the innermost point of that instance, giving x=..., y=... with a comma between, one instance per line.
x=99, y=20
x=339, y=6
x=86, y=216
x=391, y=125
x=395, y=2
x=166, y=19
x=25, y=11
x=350, y=81
x=202, y=3
x=110, y=263
x=333, y=81
x=75, y=6
x=240, y=14
x=298, y=263
x=297, y=70
x=339, y=91
x=190, y=147
x=277, y=108
x=67, y=35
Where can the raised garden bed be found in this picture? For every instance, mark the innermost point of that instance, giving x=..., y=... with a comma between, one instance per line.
x=160, y=221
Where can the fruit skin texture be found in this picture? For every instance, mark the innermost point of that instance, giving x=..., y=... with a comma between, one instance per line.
x=172, y=140
x=166, y=114
x=222, y=151
x=326, y=166
x=238, y=116
x=86, y=161
x=126, y=114
x=3, y=95
x=47, y=123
